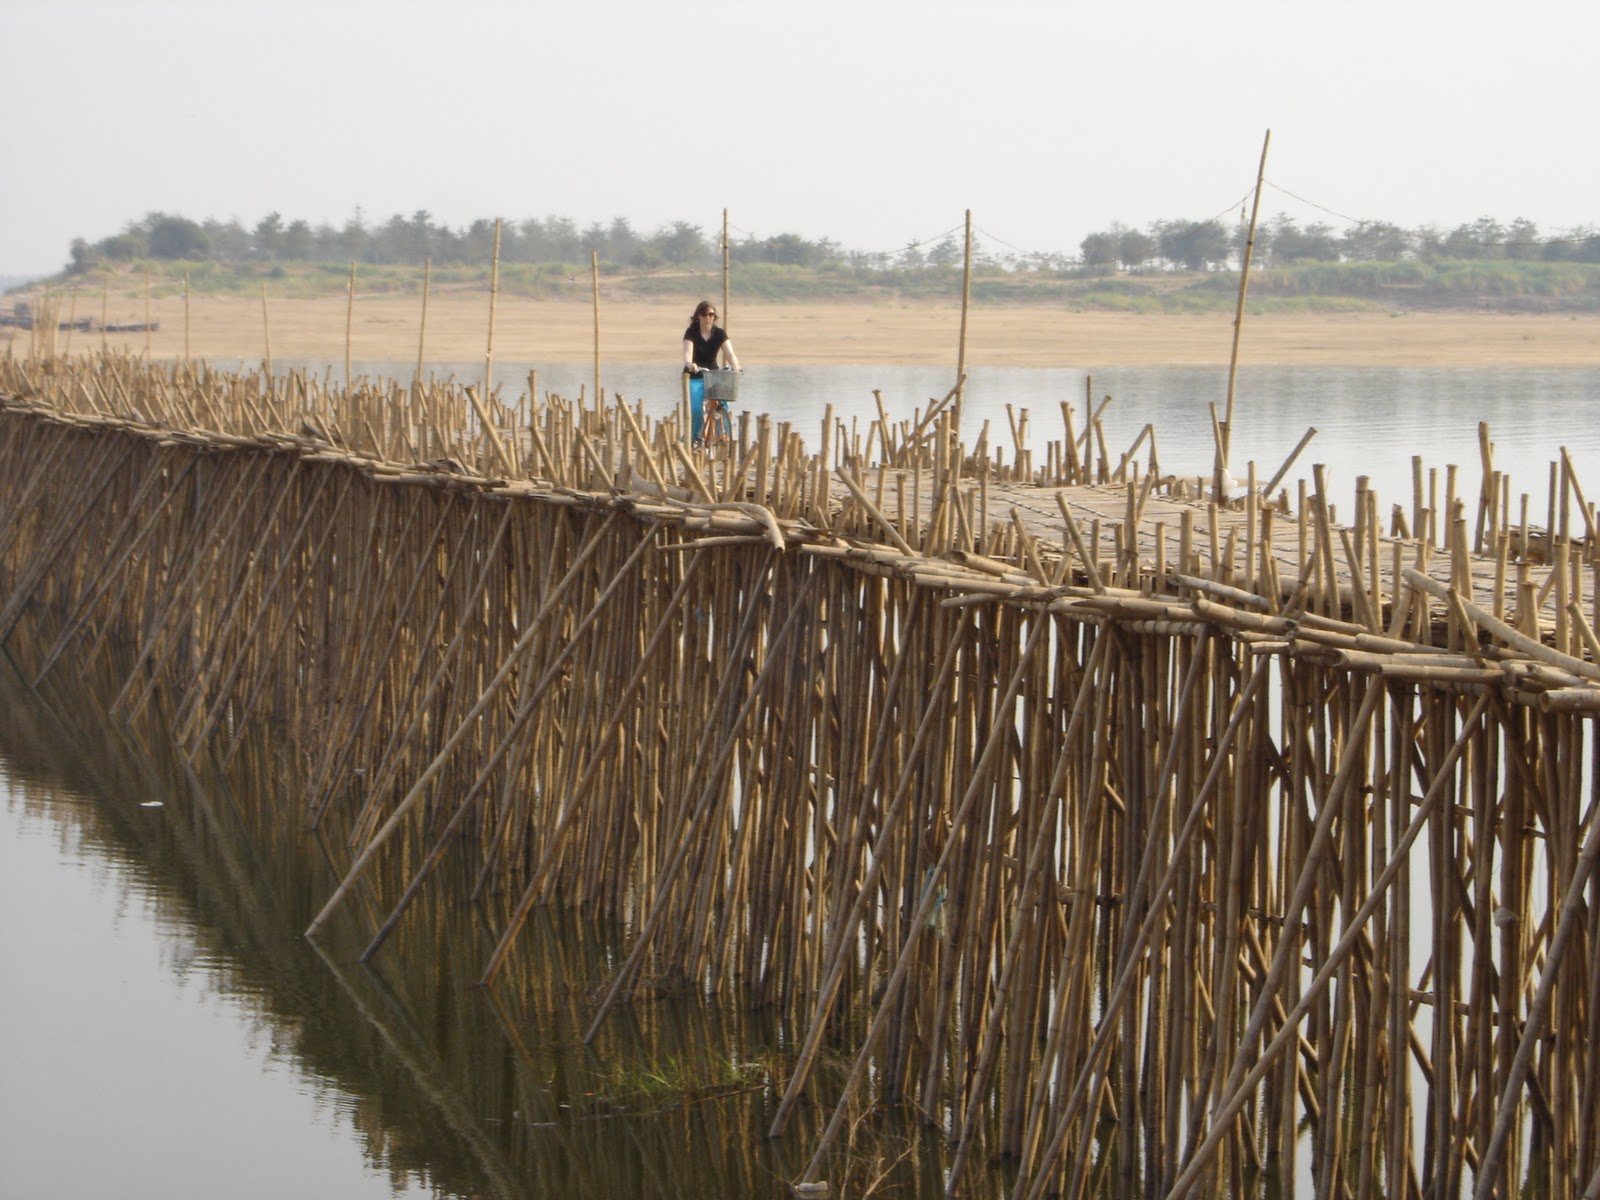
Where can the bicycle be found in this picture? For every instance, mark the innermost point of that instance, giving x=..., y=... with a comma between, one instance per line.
x=711, y=395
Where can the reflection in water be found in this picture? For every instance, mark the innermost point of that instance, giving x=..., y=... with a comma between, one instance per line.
x=448, y=1089
x=140, y=1058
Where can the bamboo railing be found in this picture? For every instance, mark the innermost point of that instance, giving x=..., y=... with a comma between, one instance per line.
x=1150, y=841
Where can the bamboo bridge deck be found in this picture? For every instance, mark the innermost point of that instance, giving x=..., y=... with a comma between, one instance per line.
x=1141, y=841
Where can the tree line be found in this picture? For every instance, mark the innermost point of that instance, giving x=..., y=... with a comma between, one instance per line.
x=403, y=240
x=1281, y=241
x=1162, y=245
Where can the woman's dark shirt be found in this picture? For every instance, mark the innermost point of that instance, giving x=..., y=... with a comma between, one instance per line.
x=707, y=348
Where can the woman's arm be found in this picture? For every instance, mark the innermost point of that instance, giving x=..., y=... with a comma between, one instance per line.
x=688, y=353
x=729, y=357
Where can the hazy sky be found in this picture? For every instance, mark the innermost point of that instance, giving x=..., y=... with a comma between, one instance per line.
x=875, y=122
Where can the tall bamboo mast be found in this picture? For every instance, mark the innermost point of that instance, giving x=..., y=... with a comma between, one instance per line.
x=725, y=323
x=1238, y=314
x=494, y=292
x=349, y=320
x=966, y=300
x=594, y=277
x=422, y=325
x=266, y=328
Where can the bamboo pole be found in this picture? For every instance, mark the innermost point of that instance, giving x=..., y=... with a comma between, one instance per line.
x=1238, y=316
x=1567, y=928
x=494, y=295
x=465, y=727
x=924, y=908
x=266, y=332
x=349, y=323
x=594, y=275
x=961, y=341
x=422, y=327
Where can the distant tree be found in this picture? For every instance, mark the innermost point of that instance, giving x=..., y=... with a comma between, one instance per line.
x=267, y=238
x=1429, y=243
x=1135, y=248
x=178, y=237
x=911, y=256
x=389, y=241
x=1195, y=245
x=680, y=244
x=83, y=257
x=1375, y=241
x=869, y=260
x=1042, y=261
x=325, y=244
x=561, y=234
x=353, y=240
x=948, y=253
x=622, y=243
x=1100, y=251
x=1288, y=243
x=476, y=244
x=1241, y=239
x=1522, y=240
x=789, y=250
x=827, y=253
x=1576, y=245
x=125, y=246
x=230, y=241
x=299, y=244
x=1484, y=238
x=420, y=238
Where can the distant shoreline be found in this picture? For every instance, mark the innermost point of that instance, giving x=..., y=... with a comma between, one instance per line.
x=385, y=328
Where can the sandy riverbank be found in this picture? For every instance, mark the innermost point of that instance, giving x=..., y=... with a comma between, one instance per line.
x=386, y=327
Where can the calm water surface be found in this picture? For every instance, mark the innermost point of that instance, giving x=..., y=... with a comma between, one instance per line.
x=166, y=1031
x=135, y=1061
x=1369, y=420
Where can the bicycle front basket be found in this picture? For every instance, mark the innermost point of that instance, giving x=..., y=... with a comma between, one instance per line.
x=722, y=385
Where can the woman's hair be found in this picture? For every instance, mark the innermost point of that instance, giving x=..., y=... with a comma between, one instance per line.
x=705, y=306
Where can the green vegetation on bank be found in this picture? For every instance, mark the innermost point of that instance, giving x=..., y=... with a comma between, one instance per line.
x=1314, y=287
x=1173, y=266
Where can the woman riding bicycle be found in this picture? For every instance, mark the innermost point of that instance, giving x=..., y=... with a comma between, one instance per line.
x=705, y=342
x=706, y=347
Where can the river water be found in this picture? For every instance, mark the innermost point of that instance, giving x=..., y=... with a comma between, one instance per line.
x=1369, y=420
x=164, y=1031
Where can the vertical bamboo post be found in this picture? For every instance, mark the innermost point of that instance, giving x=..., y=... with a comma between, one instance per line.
x=72, y=319
x=594, y=279
x=494, y=293
x=725, y=324
x=1238, y=315
x=185, y=317
x=105, y=299
x=266, y=333
x=349, y=321
x=961, y=346
x=147, y=313
x=422, y=325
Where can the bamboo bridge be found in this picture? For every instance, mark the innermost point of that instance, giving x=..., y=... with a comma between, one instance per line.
x=1147, y=836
